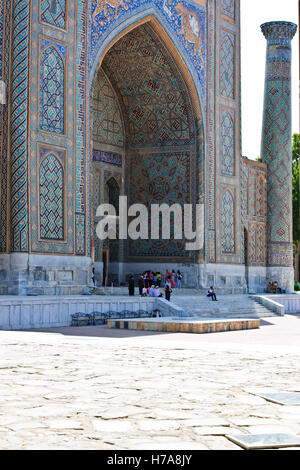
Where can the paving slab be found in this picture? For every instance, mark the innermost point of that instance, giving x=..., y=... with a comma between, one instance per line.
x=265, y=441
x=283, y=398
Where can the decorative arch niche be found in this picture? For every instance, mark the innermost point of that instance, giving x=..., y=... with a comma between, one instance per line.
x=52, y=91
x=51, y=198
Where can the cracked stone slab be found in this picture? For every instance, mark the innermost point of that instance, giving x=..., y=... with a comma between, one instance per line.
x=118, y=413
x=265, y=441
x=63, y=424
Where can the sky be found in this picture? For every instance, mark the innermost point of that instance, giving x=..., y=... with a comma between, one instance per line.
x=253, y=56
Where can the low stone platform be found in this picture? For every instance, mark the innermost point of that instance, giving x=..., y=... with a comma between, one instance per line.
x=20, y=313
x=172, y=325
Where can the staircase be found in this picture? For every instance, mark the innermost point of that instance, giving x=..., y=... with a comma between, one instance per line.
x=236, y=306
x=195, y=303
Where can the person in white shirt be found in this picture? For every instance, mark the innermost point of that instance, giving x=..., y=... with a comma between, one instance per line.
x=157, y=292
x=144, y=292
x=211, y=293
x=152, y=291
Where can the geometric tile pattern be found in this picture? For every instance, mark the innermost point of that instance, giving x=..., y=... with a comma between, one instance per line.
x=185, y=20
x=228, y=142
x=47, y=137
x=82, y=170
x=113, y=199
x=244, y=189
x=228, y=222
x=49, y=233
x=5, y=60
x=227, y=61
x=51, y=199
x=252, y=243
x=52, y=84
x=254, y=201
x=261, y=244
x=210, y=143
x=252, y=194
x=2, y=19
x=80, y=239
x=186, y=24
x=159, y=119
x=53, y=12
x=152, y=94
x=228, y=8
x=260, y=208
x=19, y=105
x=276, y=143
x=105, y=111
x=156, y=179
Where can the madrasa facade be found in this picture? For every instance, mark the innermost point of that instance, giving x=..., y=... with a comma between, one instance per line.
x=139, y=98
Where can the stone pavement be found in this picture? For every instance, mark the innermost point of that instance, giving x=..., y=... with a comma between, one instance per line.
x=94, y=388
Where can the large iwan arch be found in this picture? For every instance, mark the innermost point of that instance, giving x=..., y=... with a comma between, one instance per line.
x=147, y=129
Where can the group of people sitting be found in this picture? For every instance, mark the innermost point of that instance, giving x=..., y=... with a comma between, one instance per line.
x=153, y=291
x=149, y=283
x=273, y=288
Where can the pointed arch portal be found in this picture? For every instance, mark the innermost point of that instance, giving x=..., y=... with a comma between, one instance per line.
x=147, y=133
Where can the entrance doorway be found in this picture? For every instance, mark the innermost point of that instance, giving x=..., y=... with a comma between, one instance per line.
x=105, y=260
x=246, y=256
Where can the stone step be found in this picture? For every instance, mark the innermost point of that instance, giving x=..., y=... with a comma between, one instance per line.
x=237, y=306
x=195, y=303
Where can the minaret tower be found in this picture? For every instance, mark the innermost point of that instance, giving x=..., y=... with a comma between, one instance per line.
x=276, y=152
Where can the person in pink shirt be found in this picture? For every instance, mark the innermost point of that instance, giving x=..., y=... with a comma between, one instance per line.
x=173, y=275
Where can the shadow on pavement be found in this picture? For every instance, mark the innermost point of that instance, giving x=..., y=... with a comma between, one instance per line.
x=97, y=332
x=266, y=323
x=102, y=331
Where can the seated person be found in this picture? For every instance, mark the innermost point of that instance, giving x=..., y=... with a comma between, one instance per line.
x=157, y=292
x=152, y=291
x=278, y=289
x=211, y=293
